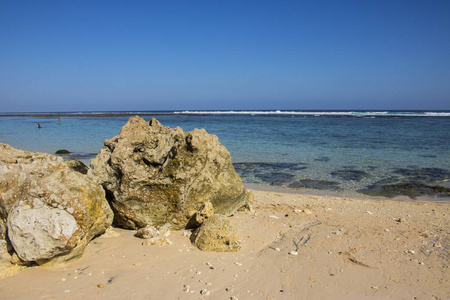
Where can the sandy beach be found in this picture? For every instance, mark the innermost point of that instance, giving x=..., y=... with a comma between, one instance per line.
x=294, y=246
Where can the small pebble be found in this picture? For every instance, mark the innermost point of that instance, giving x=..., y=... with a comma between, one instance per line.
x=205, y=292
x=293, y=253
x=369, y=213
x=100, y=286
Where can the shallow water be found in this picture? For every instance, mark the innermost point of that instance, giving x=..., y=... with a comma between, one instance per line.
x=378, y=153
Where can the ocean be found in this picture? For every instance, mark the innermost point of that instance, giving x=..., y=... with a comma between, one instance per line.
x=375, y=153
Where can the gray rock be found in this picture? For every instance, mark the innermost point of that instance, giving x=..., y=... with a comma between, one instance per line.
x=155, y=175
x=62, y=152
x=50, y=211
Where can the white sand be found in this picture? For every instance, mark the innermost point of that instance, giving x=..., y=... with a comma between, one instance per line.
x=346, y=249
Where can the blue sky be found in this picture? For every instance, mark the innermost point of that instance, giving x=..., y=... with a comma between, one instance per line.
x=163, y=55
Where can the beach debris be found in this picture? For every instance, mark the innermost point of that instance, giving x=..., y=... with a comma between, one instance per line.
x=100, y=286
x=307, y=212
x=205, y=292
x=298, y=210
x=216, y=234
x=43, y=198
x=352, y=259
x=400, y=220
x=369, y=212
x=156, y=175
x=273, y=217
x=293, y=252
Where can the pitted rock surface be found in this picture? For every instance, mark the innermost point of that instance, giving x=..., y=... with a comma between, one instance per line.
x=48, y=211
x=159, y=176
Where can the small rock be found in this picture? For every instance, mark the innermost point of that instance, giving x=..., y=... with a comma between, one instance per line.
x=205, y=292
x=298, y=210
x=148, y=232
x=293, y=253
x=100, y=286
x=307, y=212
x=369, y=213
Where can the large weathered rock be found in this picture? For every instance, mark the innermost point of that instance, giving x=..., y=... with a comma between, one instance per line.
x=216, y=234
x=155, y=175
x=51, y=212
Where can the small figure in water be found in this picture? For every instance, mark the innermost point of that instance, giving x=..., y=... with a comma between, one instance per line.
x=59, y=121
x=38, y=125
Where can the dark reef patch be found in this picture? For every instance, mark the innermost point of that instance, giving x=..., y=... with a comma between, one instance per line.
x=317, y=184
x=350, y=174
x=323, y=158
x=277, y=178
x=411, y=190
x=430, y=175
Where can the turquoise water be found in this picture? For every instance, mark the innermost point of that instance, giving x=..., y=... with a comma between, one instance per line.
x=324, y=151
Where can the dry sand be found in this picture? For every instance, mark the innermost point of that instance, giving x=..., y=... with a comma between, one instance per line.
x=344, y=249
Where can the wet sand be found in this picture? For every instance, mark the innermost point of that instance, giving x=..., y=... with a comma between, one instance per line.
x=295, y=246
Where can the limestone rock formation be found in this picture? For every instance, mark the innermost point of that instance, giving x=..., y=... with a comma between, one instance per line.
x=155, y=175
x=216, y=234
x=50, y=211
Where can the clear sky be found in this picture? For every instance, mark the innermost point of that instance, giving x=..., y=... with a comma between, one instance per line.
x=163, y=55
